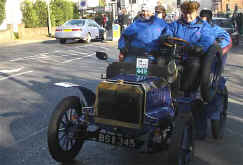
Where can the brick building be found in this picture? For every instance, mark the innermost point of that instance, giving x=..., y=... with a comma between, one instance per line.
x=227, y=5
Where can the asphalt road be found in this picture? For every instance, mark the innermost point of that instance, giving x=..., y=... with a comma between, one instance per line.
x=28, y=97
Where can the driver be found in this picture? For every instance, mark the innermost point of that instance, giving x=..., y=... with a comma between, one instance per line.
x=200, y=36
x=141, y=37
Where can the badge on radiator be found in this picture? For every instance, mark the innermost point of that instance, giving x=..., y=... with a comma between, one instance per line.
x=142, y=66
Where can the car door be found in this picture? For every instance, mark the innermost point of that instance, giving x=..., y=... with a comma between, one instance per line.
x=95, y=29
x=90, y=28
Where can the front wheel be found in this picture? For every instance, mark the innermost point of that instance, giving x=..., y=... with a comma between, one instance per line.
x=211, y=71
x=181, y=146
x=65, y=136
x=218, y=126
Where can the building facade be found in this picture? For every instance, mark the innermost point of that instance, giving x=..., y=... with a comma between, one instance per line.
x=225, y=6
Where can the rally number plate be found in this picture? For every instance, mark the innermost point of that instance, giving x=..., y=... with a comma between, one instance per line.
x=118, y=140
x=142, y=66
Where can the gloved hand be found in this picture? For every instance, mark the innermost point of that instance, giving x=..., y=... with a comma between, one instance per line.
x=124, y=50
x=163, y=38
x=194, y=50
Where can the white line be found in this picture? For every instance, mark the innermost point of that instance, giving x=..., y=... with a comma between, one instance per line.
x=11, y=70
x=233, y=133
x=15, y=75
x=29, y=57
x=28, y=137
x=235, y=118
x=67, y=61
x=235, y=101
x=99, y=46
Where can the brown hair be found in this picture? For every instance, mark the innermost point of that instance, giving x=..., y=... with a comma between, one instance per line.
x=160, y=9
x=189, y=6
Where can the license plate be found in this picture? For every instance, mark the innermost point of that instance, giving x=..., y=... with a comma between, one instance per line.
x=67, y=30
x=116, y=140
x=142, y=66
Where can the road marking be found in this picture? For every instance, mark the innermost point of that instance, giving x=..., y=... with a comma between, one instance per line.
x=235, y=101
x=28, y=137
x=99, y=46
x=44, y=55
x=15, y=75
x=233, y=132
x=235, y=118
x=11, y=70
x=68, y=61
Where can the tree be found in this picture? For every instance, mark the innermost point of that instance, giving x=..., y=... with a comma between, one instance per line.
x=2, y=10
x=40, y=8
x=76, y=14
x=30, y=17
x=62, y=11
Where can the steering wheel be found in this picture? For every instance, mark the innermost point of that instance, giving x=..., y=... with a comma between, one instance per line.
x=172, y=41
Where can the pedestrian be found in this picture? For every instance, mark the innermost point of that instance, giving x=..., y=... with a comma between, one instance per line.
x=123, y=19
x=104, y=21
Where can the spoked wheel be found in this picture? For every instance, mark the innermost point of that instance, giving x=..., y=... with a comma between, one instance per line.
x=181, y=148
x=211, y=72
x=218, y=126
x=65, y=135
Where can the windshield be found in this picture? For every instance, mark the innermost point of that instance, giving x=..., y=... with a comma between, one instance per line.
x=223, y=23
x=75, y=22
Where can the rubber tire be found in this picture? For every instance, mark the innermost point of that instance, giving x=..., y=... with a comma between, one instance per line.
x=176, y=156
x=103, y=38
x=53, y=144
x=236, y=42
x=62, y=41
x=208, y=92
x=88, y=40
x=218, y=126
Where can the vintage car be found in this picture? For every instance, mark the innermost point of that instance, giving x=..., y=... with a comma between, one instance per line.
x=137, y=105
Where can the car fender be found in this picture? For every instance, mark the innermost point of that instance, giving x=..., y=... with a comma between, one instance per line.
x=88, y=95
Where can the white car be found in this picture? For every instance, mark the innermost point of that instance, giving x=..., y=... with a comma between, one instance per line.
x=82, y=29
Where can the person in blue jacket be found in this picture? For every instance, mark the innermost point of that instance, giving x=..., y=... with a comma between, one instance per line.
x=142, y=36
x=216, y=110
x=222, y=36
x=200, y=36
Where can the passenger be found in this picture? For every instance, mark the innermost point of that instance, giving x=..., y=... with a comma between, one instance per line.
x=222, y=36
x=142, y=36
x=215, y=110
x=160, y=12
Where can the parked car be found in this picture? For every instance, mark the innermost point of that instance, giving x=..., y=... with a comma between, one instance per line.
x=83, y=29
x=230, y=27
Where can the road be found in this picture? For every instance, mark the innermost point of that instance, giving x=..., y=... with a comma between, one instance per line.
x=28, y=97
